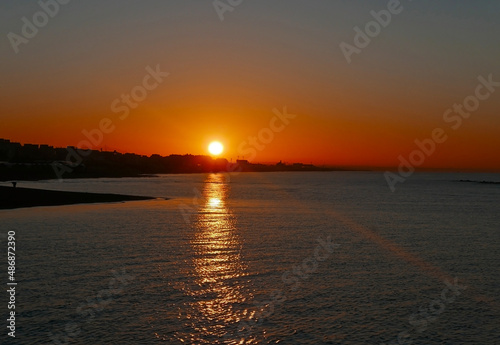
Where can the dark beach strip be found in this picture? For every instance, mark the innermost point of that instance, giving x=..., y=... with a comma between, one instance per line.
x=11, y=197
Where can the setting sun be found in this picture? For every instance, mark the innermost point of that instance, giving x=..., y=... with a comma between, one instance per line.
x=215, y=148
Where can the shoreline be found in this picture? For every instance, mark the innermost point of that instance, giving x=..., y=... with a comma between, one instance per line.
x=18, y=197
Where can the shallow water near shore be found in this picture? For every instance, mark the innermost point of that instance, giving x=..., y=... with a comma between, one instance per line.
x=291, y=258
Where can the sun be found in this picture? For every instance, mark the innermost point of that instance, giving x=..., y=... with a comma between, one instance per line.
x=215, y=148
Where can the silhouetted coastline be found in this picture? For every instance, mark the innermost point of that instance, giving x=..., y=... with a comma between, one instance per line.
x=11, y=197
x=42, y=162
x=481, y=182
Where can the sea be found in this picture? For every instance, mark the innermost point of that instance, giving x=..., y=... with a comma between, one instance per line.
x=258, y=258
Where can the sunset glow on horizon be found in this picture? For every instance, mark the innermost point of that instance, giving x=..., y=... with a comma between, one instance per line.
x=156, y=85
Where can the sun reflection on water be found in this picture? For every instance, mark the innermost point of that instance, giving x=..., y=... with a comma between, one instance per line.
x=219, y=293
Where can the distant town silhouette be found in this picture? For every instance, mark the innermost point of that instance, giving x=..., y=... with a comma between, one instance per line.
x=36, y=162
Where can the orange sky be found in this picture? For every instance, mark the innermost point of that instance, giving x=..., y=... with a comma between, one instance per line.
x=226, y=77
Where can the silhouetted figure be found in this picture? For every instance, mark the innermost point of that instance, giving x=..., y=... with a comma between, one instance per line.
x=14, y=184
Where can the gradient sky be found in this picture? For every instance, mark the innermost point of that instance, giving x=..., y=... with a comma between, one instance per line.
x=227, y=76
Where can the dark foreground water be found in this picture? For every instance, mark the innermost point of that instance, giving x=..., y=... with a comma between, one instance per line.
x=288, y=258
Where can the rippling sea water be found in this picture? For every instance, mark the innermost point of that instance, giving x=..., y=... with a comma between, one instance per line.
x=288, y=258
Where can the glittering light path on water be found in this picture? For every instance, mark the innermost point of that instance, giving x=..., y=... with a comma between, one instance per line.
x=220, y=296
